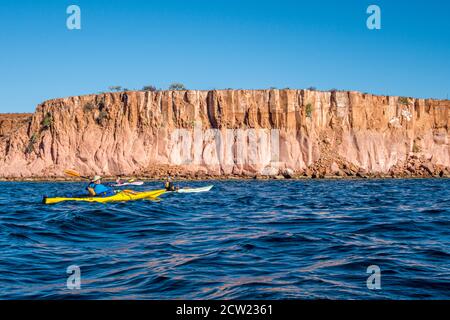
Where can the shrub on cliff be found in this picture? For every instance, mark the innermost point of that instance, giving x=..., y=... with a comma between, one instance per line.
x=115, y=88
x=149, y=88
x=88, y=106
x=177, y=86
x=102, y=117
x=30, y=147
x=47, y=121
x=101, y=104
x=403, y=100
x=308, y=110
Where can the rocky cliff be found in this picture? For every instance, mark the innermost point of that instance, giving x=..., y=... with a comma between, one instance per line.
x=229, y=133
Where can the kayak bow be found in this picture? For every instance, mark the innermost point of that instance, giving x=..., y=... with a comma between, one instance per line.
x=194, y=190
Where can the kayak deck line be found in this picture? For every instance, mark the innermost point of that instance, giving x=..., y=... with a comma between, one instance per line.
x=119, y=196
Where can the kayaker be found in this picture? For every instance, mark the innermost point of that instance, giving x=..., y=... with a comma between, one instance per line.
x=96, y=188
x=119, y=180
x=169, y=184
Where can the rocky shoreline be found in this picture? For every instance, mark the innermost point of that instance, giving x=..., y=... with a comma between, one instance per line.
x=243, y=178
x=411, y=170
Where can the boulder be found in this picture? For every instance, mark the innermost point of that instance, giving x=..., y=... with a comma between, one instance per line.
x=428, y=167
x=270, y=171
x=362, y=173
x=335, y=168
x=288, y=173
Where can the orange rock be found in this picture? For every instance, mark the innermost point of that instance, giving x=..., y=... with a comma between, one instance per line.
x=223, y=133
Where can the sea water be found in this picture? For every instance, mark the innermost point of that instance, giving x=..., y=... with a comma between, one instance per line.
x=309, y=239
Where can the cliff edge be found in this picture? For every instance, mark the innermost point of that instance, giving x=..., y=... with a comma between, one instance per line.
x=229, y=133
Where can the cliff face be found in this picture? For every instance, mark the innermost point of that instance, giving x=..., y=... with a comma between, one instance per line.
x=229, y=132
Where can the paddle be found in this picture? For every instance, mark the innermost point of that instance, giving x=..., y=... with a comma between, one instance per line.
x=131, y=180
x=73, y=173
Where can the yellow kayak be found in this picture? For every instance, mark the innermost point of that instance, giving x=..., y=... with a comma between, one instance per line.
x=119, y=196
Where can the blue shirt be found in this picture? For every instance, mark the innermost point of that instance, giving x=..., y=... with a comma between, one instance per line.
x=101, y=190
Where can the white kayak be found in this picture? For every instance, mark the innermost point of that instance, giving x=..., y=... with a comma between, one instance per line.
x=195, y=190
x=134, y=183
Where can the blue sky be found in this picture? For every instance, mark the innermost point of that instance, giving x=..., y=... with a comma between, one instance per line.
x=221, y=44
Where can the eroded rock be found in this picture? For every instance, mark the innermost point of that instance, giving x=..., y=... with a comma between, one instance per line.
x=208, y=133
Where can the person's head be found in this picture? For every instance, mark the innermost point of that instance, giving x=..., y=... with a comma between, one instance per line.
x=97, y=180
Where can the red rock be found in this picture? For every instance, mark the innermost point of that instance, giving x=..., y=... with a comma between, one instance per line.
x=428, y=167
x=109, y=135
x=335, y=168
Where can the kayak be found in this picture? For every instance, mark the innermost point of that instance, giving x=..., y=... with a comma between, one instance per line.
x=135, y=183
x=195, y=190
x=119, y=196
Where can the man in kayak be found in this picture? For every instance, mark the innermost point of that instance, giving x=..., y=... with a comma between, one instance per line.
x=96, y=188
x=169, y=184
x=119, y=180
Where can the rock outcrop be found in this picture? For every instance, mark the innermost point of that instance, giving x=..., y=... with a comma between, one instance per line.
x=10, y=122
x=255, y=133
